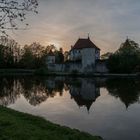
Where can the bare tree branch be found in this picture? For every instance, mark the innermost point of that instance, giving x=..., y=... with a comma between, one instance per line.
x=13, y=11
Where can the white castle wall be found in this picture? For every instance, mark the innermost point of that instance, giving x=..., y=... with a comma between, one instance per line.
x=88, y=59
x=50, y=59
x=73, y=66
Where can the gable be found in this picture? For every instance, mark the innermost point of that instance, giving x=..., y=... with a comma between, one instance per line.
x=84, y=43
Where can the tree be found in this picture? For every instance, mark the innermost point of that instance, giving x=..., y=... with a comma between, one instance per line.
x=2, y=60
x=9, y=53
x=59, y=56
x=33, y=56
x=27, y=60
x=106, y=55
x=128, y=90
x=126, y=58
x=37, y=51
x=45, y=53
x=13, y=11
x=49, y=48
x=66, y=55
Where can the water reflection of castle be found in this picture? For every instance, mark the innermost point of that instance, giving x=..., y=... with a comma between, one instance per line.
x=83, y=91
x=85, y=94
x=36, y=91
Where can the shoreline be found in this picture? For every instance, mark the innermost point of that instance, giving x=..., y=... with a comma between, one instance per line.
x=18, y=72
x=34, y=127
x=92, y=75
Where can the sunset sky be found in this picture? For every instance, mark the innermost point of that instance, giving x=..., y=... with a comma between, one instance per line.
x=62, y=22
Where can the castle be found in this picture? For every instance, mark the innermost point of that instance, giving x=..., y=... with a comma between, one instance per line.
x=84, y=56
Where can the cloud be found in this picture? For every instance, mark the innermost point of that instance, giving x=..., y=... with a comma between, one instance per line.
x=108, y=22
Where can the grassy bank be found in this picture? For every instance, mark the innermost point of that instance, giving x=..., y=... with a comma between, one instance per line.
x=20, y=126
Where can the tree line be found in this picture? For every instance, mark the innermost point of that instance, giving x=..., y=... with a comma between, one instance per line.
x=126, y=59
x=32, y=56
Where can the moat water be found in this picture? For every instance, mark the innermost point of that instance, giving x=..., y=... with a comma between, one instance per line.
x=109, y=108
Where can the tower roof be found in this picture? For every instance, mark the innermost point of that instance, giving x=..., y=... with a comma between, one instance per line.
x=84, y=43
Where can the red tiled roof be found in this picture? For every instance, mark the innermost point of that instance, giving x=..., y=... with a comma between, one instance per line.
x=84, y=43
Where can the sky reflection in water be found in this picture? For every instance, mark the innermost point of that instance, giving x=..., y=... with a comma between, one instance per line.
x=105, y=107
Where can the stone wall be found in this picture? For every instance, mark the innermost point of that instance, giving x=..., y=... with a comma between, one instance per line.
x=50, y=60
x=56, y=67
x=88, y=58
x=101, y=66
x=67, y=67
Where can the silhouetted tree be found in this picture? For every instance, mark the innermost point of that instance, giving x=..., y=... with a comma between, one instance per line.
x=127, y=90
x=59, y=56
x=31, y=56
x=126, y=58
x=66, y=55
x=27, y=60
x=106, y=55
x=9, y=53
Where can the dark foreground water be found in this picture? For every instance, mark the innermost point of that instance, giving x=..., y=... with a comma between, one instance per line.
x=106, y=107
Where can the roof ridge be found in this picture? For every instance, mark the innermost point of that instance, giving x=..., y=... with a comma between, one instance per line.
x=84, y=43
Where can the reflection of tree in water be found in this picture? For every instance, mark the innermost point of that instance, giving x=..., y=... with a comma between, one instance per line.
x=10, y=90
x=38, y=90
x=55, y=85
x=84, y=92
x=128, y=90
x=35, y=90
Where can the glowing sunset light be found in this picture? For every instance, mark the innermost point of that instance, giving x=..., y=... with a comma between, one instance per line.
x=55, y=43
x=62, y=22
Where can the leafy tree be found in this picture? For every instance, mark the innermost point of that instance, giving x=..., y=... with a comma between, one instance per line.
x=126, y=58
x=66, y=55
x=27, y=60
x=59, y=56
x=46, y=50
x=37, y=51
x=34, y=55
x=2, y=60
x=106, y=55
x=30, y=57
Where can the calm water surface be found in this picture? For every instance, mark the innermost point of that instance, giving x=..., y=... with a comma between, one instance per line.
x=106, y=107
